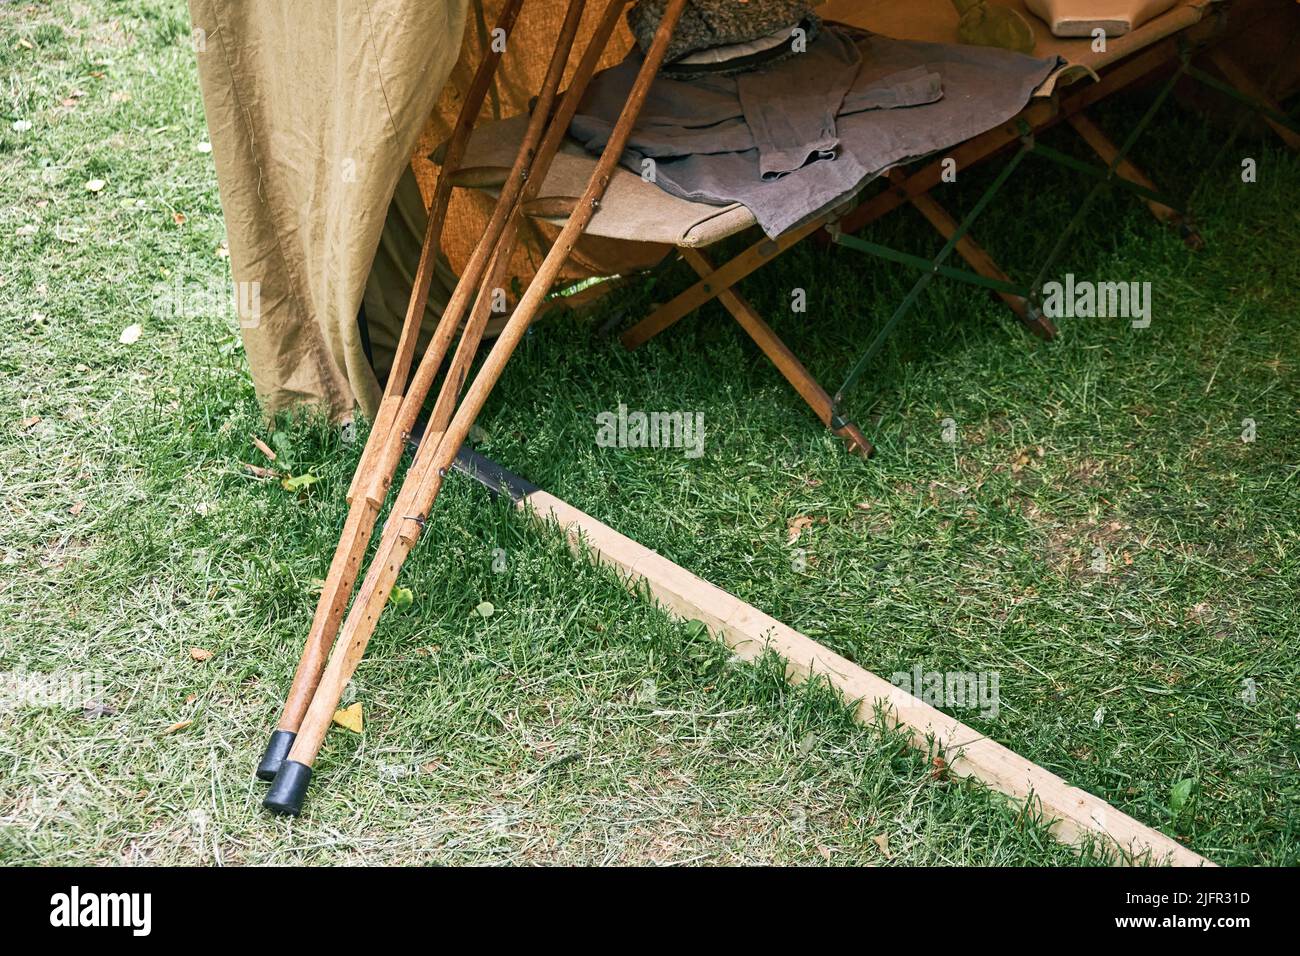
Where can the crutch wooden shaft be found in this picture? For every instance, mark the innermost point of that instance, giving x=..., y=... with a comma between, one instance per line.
x=458, y=370
x=370, y=487
x=398, y=413
x=463, y=295
x=402, y=529
x=577, y=224
x=525, y=186
x=468, y=345
x=456, y=147
x=383, y=464
x=457, y=144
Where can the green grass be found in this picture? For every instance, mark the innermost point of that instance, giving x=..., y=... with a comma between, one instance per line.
x=578, y=724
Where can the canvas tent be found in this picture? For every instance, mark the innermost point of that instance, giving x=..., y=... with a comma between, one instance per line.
x=322, y=117
x=315, y=112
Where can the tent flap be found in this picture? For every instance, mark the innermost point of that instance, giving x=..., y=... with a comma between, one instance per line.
x=313, y=118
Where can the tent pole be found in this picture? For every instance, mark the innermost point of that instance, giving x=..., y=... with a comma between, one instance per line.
x=425, y=480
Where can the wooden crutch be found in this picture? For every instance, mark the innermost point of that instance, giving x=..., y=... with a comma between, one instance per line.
x=363, y=509
x=423, y=483
x=398, y=415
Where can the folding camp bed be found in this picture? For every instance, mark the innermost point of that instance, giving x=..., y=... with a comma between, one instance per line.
x=638, y=211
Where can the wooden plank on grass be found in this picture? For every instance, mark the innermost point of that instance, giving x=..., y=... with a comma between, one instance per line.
x=1075, y=817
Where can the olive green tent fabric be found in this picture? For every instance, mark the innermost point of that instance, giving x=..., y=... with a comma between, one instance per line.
x=314, y=108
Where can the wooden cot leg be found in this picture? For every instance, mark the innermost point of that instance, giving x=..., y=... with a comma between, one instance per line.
x=1105, y=148
x=657, y=321
x=717, y=281
x=978, y=258
x=1242, y=80
x=785, y=361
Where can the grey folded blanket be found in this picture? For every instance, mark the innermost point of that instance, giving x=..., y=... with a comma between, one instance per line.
x=802, y=135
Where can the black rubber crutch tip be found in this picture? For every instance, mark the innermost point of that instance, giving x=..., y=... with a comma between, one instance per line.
x=277, y=752
x=288, y=788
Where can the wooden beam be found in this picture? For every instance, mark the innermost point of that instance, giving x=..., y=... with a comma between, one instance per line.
x=720, y=279
x=1243, y=81
x=1075, y=816
x=786, y=362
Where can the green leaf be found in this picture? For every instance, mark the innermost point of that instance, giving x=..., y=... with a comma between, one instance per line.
x=402, y=597
x=298, y=482
x=1179, y=794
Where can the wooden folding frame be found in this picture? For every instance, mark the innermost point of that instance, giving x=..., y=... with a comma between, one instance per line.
x=914, y=186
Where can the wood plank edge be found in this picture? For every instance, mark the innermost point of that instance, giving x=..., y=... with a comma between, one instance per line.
x=1073, y=816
